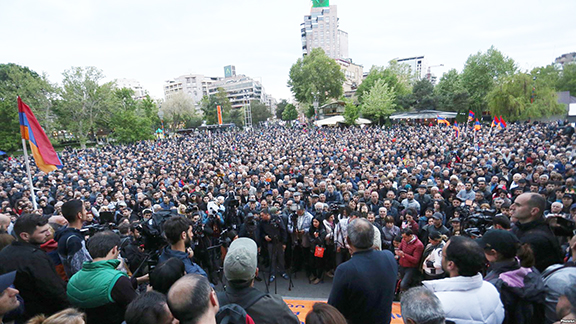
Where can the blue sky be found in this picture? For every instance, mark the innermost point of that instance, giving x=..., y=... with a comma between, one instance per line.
x=153, y=41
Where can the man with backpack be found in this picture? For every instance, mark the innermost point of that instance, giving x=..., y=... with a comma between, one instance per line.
x=240, y=269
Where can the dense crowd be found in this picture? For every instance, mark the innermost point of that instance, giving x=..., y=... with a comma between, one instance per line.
x=159, y=209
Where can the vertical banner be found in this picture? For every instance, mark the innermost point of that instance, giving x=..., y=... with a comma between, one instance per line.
x=219, y=109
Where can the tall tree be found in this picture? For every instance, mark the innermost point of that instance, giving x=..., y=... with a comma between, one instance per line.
x=423, y=92
x=260, y=112
x=85, y=103
x=290, y=112
x=178, y=109
x=396, y=76
x=35, y=90
x=482, y=73
x=515, y=99
x=280, y=108
x=452, y=96
x=316, y=76
x=567, y=80
x=380, y=102
x=130, y=121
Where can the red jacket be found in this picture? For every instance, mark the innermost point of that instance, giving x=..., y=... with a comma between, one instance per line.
x=412, y=253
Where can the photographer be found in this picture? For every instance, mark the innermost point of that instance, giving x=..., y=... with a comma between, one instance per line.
x=300, y=226
x=178, y=232
x=273, y=234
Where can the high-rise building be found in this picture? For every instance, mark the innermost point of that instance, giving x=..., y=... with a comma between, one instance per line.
x=320, y=29
x=194, y=85
x=418, y=65
x=139, y=92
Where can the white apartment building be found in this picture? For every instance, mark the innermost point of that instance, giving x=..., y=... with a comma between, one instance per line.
x=320, y=29
x=353, y=74
x=194, y=85
x=139, y=92
x=418, y=65
x=240, y=90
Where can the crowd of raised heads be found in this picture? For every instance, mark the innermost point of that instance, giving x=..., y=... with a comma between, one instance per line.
x=498, y=203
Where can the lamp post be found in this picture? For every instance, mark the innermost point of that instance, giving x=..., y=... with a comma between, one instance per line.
x=316, y=104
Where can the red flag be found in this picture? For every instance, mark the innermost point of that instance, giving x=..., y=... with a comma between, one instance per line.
x=502, y=122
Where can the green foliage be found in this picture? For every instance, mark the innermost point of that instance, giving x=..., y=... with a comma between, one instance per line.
x=35, y=90
x=567, y=80
x=280, y=108
x=316, y=75
x=260, y=112
x=130, y=122
x=451, y=94
x=85, y=104
x=380, y=102
x=482, y=72
x=397, y=76
x=177, y=110
x=210, y=112
x=290, y=112
x=351, y=112
x=423, y=92
x=511, y=99
x=235, y=116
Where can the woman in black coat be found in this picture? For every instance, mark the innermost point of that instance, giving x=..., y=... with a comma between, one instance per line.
x=317, y=235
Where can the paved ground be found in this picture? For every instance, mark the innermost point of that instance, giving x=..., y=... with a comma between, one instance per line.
x=301, y=290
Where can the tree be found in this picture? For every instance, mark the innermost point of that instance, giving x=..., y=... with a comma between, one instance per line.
x=85, y=103
x=351, y=112
x=316, y=76
x=130, y=122
x=178, y=109
x=397, y=76
x=423, y=92
x=260, y=112
x=290, y=112
x=36, y=91
x=451, y=94
x=280, y=108
x=512, y=98
x=379, y=103
x=567, y=80
x=209, y=110
x=482, y=73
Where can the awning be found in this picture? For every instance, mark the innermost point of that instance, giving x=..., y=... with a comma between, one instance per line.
x=330, y=121
x=424, y=114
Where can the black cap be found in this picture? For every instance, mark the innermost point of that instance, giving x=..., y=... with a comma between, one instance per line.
x=455, y=220
x=437, y=216
x=504, y=242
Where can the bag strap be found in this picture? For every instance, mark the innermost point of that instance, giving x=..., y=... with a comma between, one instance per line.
x=246, y=302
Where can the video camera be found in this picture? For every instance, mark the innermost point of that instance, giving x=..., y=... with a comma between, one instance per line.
x=478, y=223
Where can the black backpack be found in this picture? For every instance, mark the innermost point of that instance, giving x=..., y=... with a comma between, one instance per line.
x=233, y=309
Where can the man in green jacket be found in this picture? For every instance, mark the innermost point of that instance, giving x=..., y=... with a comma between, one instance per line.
x=99, y=289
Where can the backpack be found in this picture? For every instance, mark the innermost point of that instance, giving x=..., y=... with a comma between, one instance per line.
x=233, y=310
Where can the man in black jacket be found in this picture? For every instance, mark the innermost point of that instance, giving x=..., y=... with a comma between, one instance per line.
x=531, y=228
x=362, y=291
x=273, y=234
x=240, y=269
x=40, y=286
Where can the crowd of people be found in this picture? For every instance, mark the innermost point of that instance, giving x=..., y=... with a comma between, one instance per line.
x=477, y=227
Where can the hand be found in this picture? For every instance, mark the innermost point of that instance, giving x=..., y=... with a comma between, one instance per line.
x=142, y=279
x=190, y=253
x=259, y=250
x=267, y=238
x=284, y=246
x=338, y=249
x=316, y=234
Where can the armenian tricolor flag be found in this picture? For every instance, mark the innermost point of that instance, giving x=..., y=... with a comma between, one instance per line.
x=502, y=122
x=495, y=122
x=471, y=115
x=44, y=154
x=456, y=129
x=442, y=120
x=477, y=125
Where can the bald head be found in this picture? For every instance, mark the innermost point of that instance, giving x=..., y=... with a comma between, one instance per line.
x=191, y=298
x=4, y=222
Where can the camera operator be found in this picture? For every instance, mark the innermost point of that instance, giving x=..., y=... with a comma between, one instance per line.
x=234, y=217
x=250, y=229
x=201, y=234
x=178, y=232
x=273, y=232
x=130, y=247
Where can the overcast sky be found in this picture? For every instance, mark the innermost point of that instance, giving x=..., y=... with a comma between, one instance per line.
x=154, y=41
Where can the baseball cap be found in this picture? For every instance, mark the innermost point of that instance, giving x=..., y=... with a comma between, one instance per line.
x=147, y=210
x=455, y=220
x=241, y=260
x=504, y=242
x=273, y=210
x=6, y=280
x=437, y=216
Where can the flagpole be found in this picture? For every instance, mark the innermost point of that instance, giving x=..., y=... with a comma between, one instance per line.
x=29, y=174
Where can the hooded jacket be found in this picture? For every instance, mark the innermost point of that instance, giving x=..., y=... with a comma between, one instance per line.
x=521, y=290
x=71, y=249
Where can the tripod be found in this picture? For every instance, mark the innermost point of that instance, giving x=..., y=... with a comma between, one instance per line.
x=275, y=255
x=213, y=256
